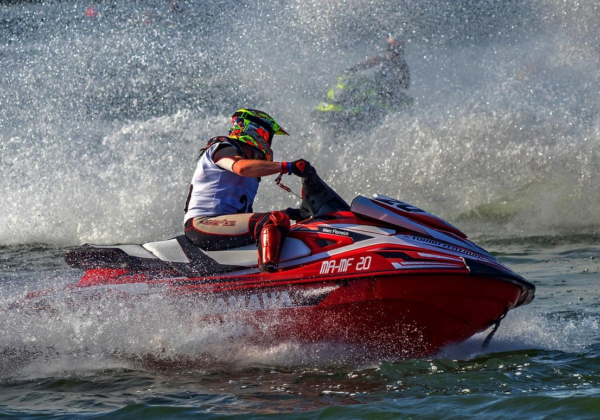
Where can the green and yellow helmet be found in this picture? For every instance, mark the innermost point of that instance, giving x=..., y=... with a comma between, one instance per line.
x=256, y=129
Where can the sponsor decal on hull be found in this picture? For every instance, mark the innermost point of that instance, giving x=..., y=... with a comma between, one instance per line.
x=335, y=231
x=268, y=300
x=253, y=302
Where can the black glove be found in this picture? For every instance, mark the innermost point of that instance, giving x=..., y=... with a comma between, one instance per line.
x=301, y=168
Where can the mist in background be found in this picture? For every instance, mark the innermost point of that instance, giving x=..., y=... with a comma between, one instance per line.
x=103, y=110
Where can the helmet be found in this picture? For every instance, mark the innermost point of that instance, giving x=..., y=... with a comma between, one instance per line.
x=395, y=44
x=256, y=129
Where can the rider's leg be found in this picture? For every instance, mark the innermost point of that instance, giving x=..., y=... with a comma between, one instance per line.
x=215, y=233
x=234, y=230
x=270, y=232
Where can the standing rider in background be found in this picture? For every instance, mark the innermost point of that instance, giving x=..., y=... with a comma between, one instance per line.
x=369, y=88
x=218, y=211
x=393, y=69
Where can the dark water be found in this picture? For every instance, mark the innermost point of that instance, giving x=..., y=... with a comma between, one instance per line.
x=101, y=118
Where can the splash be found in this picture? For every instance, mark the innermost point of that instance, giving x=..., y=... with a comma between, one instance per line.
x=527, y=328
x=101, y=118
x=64, y=333
x=154, y=333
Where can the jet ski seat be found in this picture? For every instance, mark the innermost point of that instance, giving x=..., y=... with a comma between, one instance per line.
x=178, y=254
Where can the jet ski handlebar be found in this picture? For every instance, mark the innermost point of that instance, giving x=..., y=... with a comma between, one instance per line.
x=318, y=198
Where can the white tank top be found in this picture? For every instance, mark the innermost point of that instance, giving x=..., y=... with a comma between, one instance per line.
x=216, y=191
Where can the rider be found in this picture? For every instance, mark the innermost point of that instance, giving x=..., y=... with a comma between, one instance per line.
x=218, y=211
x=391, y=74
x=393, y=66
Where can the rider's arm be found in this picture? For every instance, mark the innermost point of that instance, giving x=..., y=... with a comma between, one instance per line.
x=371, y=62
x=229, y=159
x=253, y=168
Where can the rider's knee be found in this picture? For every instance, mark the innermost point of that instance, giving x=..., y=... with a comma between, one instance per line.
x=280, y=219
x=276, y=218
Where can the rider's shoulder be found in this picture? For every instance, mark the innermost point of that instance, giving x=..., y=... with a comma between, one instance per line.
x=225, y=150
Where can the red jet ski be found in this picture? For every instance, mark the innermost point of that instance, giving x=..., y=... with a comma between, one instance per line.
x=380, y=274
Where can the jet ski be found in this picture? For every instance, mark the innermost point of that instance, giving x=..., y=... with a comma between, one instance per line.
x=380, y=274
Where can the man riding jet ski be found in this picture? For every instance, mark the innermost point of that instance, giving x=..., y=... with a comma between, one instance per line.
x=369, y=90
x=392, y=67
x=218, y=211
x=378, y=273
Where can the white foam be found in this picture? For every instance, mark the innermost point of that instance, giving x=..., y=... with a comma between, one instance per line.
x=530, y=329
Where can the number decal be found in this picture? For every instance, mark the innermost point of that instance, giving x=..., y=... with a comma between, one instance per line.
x=244, y=201
x=344, y=265
x=364, y=263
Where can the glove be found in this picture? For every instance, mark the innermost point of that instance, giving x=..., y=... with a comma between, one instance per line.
x=301, y=168
x=298, y=167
